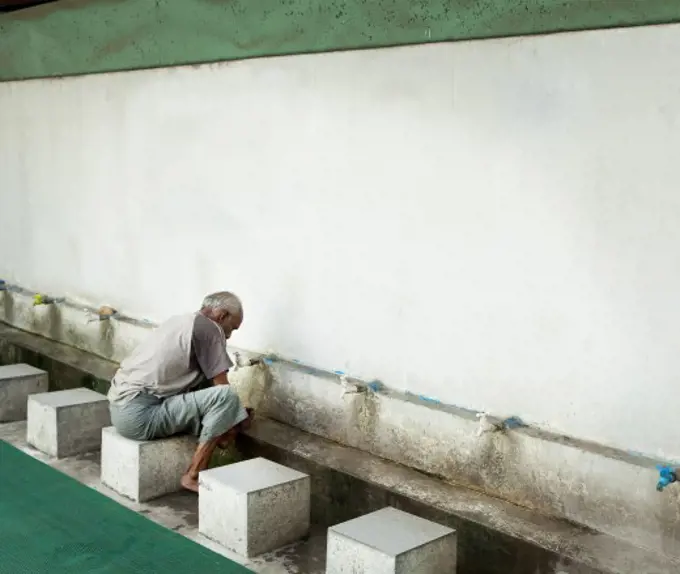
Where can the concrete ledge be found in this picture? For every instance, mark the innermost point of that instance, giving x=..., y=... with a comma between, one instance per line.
x=66, y=423
x=72, y=323
x=67, y=367
x=494, y=536
x=606, y=489
x=144, y=470
x=17, y=383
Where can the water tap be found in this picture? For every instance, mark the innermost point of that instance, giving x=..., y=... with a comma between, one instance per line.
x=40, y=299
x=349, y=388
x=375, y=386
x=486, y=425
x=513, y=423
x=666, y=476
x=103, y=313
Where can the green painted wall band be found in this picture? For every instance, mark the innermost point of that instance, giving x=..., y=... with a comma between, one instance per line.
x=72, y=37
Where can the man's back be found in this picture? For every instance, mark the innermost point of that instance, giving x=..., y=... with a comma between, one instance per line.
x=162, y=364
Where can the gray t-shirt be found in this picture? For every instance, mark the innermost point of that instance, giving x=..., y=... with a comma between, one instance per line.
x=172, y=359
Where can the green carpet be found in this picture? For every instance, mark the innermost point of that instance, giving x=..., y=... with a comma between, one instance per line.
x=50, y=523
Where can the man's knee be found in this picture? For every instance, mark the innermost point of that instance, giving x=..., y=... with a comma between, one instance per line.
x=223, y=392
x=221, y=395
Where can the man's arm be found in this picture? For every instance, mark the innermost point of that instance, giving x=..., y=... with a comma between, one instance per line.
x=208, y=346
x=221, y=379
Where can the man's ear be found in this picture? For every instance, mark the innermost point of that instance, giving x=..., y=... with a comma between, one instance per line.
x=222, y=315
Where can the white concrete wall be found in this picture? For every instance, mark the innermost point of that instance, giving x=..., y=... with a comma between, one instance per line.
x=495, y=224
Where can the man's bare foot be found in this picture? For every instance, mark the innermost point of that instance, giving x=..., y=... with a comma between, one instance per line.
x=189, y=483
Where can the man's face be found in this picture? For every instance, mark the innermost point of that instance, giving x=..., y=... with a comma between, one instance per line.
x=230, y=323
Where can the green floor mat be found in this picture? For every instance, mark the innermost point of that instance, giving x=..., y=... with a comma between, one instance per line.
x=50, y=523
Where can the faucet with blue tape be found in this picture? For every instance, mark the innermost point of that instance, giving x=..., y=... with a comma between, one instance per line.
x=666, y=476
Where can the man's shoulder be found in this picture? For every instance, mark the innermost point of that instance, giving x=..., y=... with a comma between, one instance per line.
x=204, y=327
x=170, y=339
x=177, y=326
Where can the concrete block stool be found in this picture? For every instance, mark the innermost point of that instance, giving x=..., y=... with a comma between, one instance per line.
x=65, y=423
x=253, y=506
x=17, y=382
x=390, y=541
x=144, y=470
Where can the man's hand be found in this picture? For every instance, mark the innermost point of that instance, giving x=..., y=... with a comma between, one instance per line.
x=245, y=425
x=228, y=438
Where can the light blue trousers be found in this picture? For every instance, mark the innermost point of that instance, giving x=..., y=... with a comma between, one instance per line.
x=207, y=413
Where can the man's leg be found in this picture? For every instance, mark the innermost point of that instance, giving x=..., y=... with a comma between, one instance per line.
x=210, y=414
x=133, y=419
x=199, y=462
x=202, y=457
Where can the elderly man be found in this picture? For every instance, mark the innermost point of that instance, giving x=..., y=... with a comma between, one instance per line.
x=163, y=388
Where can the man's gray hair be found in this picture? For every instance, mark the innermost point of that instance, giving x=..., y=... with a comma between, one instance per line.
x=223, y=301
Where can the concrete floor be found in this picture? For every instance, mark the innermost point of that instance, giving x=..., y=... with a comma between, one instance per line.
x=179, y=512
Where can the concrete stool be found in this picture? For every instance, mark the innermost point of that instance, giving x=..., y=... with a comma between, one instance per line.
x=65, y=423
x=253, y=506
x=143, y=470
x=16, y=383
x=390, y=541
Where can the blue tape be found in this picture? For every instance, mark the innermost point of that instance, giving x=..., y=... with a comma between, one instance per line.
x=513, y=423
x=428, y=399
x=666, y=476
